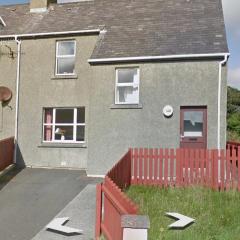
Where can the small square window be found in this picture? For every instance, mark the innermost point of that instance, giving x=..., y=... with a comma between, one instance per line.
x=65, y=57
x=127, y=86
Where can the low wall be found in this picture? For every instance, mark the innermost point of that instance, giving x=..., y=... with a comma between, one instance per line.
x=6, y=152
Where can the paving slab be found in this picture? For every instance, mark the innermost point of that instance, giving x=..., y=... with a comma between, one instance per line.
x=81, y=213
x=30, y=198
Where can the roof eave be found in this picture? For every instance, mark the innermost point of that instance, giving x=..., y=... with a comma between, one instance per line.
x=163, y=57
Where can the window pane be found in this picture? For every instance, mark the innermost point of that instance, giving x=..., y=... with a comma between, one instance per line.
x=64, y=116
x=65, y=65
x=47, y=133
x=193, y=124
x=127, y=95
x=48, y=113
x=127, y=75
x=80, y=133
x=66, y=48
x=81, y=115
x=64, y=133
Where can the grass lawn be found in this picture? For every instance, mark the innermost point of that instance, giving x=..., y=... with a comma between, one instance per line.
x=217, y=214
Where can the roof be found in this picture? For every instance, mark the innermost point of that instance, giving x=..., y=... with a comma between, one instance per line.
x=134, y=28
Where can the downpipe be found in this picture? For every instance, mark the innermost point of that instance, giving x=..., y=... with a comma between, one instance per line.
x=17, y=98
x=221, y=64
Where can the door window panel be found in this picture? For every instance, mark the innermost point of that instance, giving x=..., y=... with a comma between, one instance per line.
x=193, y=124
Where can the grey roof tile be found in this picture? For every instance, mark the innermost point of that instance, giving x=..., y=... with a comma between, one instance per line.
x=134, y=27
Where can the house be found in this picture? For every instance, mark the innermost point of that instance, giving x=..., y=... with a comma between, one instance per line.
x=91, y=78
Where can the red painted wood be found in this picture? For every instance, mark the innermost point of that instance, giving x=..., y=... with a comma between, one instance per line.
x=222, y=169
x=178, y=167
x=203, y=164
x=98, y=211
x=234, y=162
x=166, y=168
x=6, y=152
x=208, y=159
x=215, y=169
x=140, y=179
x=151, y=175
x=228, y=159
x=238, y=165
x=145, y=159
x=156, y=158
x=172, y=157
x=161, y=167
x=135, y=163
x=186, y=165
x=192, y=160
x=181, y=176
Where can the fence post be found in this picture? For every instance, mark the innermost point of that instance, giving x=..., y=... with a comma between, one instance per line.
x=98, y=211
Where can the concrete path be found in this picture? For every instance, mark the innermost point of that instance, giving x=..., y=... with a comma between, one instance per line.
x=81, y=211
x=31, y=198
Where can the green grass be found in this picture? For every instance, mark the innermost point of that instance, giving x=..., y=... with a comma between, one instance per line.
x=217, y=214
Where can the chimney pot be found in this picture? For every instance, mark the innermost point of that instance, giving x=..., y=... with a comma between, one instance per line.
x=38, y=6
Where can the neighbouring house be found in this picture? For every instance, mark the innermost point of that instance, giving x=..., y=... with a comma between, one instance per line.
x=91, y=78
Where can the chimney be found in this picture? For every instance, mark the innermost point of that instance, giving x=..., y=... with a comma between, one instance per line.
x=38, y=6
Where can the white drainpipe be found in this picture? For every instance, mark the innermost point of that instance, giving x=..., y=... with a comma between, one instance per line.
x=219, y=99
x=17, y=97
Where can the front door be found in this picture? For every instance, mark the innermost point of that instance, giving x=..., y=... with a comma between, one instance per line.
x=193, y=127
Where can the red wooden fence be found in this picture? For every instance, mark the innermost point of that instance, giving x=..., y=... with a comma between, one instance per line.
x=6, y=152
x=217, y=169
x=232, y=145
x=112, y=203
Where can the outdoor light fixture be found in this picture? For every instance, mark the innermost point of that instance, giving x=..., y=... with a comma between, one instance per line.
x=168, y=111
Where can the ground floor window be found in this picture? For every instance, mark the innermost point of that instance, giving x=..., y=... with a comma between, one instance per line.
x=64, y=125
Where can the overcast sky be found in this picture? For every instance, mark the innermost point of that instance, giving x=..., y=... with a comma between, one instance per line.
x=232, y=19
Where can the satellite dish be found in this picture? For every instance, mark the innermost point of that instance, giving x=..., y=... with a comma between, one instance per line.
x=5, y=94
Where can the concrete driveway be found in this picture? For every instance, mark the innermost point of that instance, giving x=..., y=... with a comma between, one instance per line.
x=30, y=198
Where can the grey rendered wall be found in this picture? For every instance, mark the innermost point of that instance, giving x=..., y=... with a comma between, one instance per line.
x=110, y=132
x=7, y=79
x=39, y=89
x=113, y=131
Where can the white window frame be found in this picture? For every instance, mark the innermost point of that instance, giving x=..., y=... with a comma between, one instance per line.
x=64, y=56
x=54, y=124
x=117, y=84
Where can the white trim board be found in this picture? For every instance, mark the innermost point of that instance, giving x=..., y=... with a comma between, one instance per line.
x=164, y=57
x=95, y=176
x=50, y=33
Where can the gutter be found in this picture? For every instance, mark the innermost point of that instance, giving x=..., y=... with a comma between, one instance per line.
x=49, y=34
x=17, y=97
x=221, y=64
x=164, y=57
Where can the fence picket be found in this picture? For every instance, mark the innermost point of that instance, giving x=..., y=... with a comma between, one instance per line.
x=145, y=160
x=234, y=162
x=228, y=159
x=202, y=166
x=207, y=168
x=161, y=167
x=238, y=167
x=172, y=157
x=150, y=180
x=178, y=167
x=156, y=159
x=166, y=157
x=140, y=180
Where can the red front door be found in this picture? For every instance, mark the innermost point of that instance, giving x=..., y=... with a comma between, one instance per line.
x=193, y=127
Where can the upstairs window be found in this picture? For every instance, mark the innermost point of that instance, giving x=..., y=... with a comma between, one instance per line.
x=64, y=125
x=127, y=86
x=65, y=57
